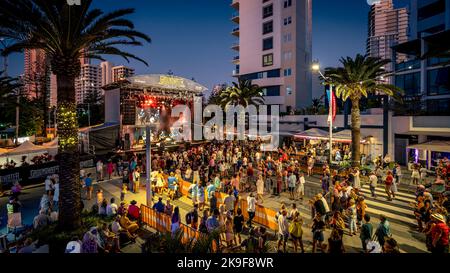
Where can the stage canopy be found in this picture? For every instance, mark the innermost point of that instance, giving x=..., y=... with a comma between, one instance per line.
x=434, y=146
x=160, y=84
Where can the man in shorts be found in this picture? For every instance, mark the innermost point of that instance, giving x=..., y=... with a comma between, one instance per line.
x=283, y=230
x=292, y=180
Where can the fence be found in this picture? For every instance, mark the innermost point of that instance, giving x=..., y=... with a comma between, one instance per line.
x=162, y=223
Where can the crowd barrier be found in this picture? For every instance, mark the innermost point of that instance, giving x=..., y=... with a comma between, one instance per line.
x=263, y=216
x=162, y=223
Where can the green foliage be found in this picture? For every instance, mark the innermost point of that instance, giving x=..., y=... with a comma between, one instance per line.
x=57, y=239
x=242, y=93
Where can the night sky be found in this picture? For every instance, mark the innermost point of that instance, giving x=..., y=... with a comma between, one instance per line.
x=192, y=37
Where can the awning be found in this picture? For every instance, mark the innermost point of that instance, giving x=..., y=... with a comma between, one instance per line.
x=313, y=133
x=411, y=48
x=343, y=136
x=434, y=146
x=426, y=133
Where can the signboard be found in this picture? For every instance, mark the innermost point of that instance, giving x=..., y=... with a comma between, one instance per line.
x=34, y=174
x=172, y=82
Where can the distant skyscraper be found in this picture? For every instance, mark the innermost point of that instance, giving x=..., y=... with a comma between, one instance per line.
x=106, y=68
x=36, y=72
x=88, y=83
x=121, y=72
x=275, y=45
x=387, y=27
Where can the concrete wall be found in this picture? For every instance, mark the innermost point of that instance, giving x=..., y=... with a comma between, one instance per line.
x=112, y=106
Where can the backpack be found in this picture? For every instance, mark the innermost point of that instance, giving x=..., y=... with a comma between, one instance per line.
x=189, y=218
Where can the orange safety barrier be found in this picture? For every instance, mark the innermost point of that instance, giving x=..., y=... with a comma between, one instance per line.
x=159, y=221
x=263, y=216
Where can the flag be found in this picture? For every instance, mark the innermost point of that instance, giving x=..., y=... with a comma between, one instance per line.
x=332, y=104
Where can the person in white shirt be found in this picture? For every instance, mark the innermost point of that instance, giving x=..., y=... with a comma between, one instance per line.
x=56, y=195
x=373, y=184
x=48, y=185
x=251, y=208
x=301, y=186
x=112, y=208
x=283, y=230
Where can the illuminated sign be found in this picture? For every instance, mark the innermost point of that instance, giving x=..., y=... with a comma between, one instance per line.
x=171, y=81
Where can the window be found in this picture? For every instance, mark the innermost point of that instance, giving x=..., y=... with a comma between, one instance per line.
x=410, y=83
x=287, y=21
x=287, y=72
x=287, y=56
x=268, y=27
x=289, y=90
x=287, y=38
x=287, y=3
x=431, y=10
x=267, y=11
x=268, y=60
x=438, y=81
x=268, y=43
x=262, y=75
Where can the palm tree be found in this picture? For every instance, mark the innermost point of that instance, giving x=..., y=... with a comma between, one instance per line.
x=242, y=93
x=356, y=79
x=66, y=33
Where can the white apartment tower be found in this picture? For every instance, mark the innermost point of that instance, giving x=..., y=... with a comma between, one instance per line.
x=274, y=45
x=387, y=27
x=89, y=82
x=106, y=68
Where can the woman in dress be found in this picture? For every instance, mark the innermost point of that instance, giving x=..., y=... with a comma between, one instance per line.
x=415, y=176
x=356, y=179
x=260, y=188
x=176, y=220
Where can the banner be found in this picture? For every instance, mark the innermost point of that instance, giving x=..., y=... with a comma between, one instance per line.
x=332, y=104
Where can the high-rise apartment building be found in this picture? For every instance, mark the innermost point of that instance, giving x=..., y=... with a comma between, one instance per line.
x=36, y=72
x=106, y=68
x=121, y=72
x=425, y=76
x=274, y=49
x=387, y=27
x=88, y=83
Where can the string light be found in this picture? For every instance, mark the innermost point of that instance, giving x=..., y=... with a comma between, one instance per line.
x=67, y=126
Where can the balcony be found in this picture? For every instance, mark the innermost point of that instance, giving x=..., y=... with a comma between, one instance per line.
x=235, y=32
x=235, y=17
x=236, y=60
x=235, y=4
x=235, y=46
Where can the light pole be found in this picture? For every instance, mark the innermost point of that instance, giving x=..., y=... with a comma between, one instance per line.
x=148, y=165
x=316, y=68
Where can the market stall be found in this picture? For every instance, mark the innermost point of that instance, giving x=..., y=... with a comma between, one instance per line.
x=430, y=152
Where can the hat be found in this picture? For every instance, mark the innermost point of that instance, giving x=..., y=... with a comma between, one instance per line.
x=133, y=202
x=438, y=217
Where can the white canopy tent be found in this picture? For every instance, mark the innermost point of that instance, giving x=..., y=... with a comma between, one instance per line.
x=26, y=149
x=312, y=133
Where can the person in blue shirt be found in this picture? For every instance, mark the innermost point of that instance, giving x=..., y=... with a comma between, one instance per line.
x=88, y=185
x=159, y=207
x=172, y=185
x=200, y=196
x=193, y=191
x=210, y=188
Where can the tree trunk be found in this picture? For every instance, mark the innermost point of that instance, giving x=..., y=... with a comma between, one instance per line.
x=356, y=133
x=68, y=158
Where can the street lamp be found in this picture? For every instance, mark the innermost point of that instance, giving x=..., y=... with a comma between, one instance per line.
x=316, y=68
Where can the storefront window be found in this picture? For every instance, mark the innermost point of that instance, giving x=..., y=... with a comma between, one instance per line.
x=438, y=81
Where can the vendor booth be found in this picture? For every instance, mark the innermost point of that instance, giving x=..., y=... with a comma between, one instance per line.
x=430, y=152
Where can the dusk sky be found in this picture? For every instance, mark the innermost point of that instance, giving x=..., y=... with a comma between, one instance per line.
x=192, y=37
